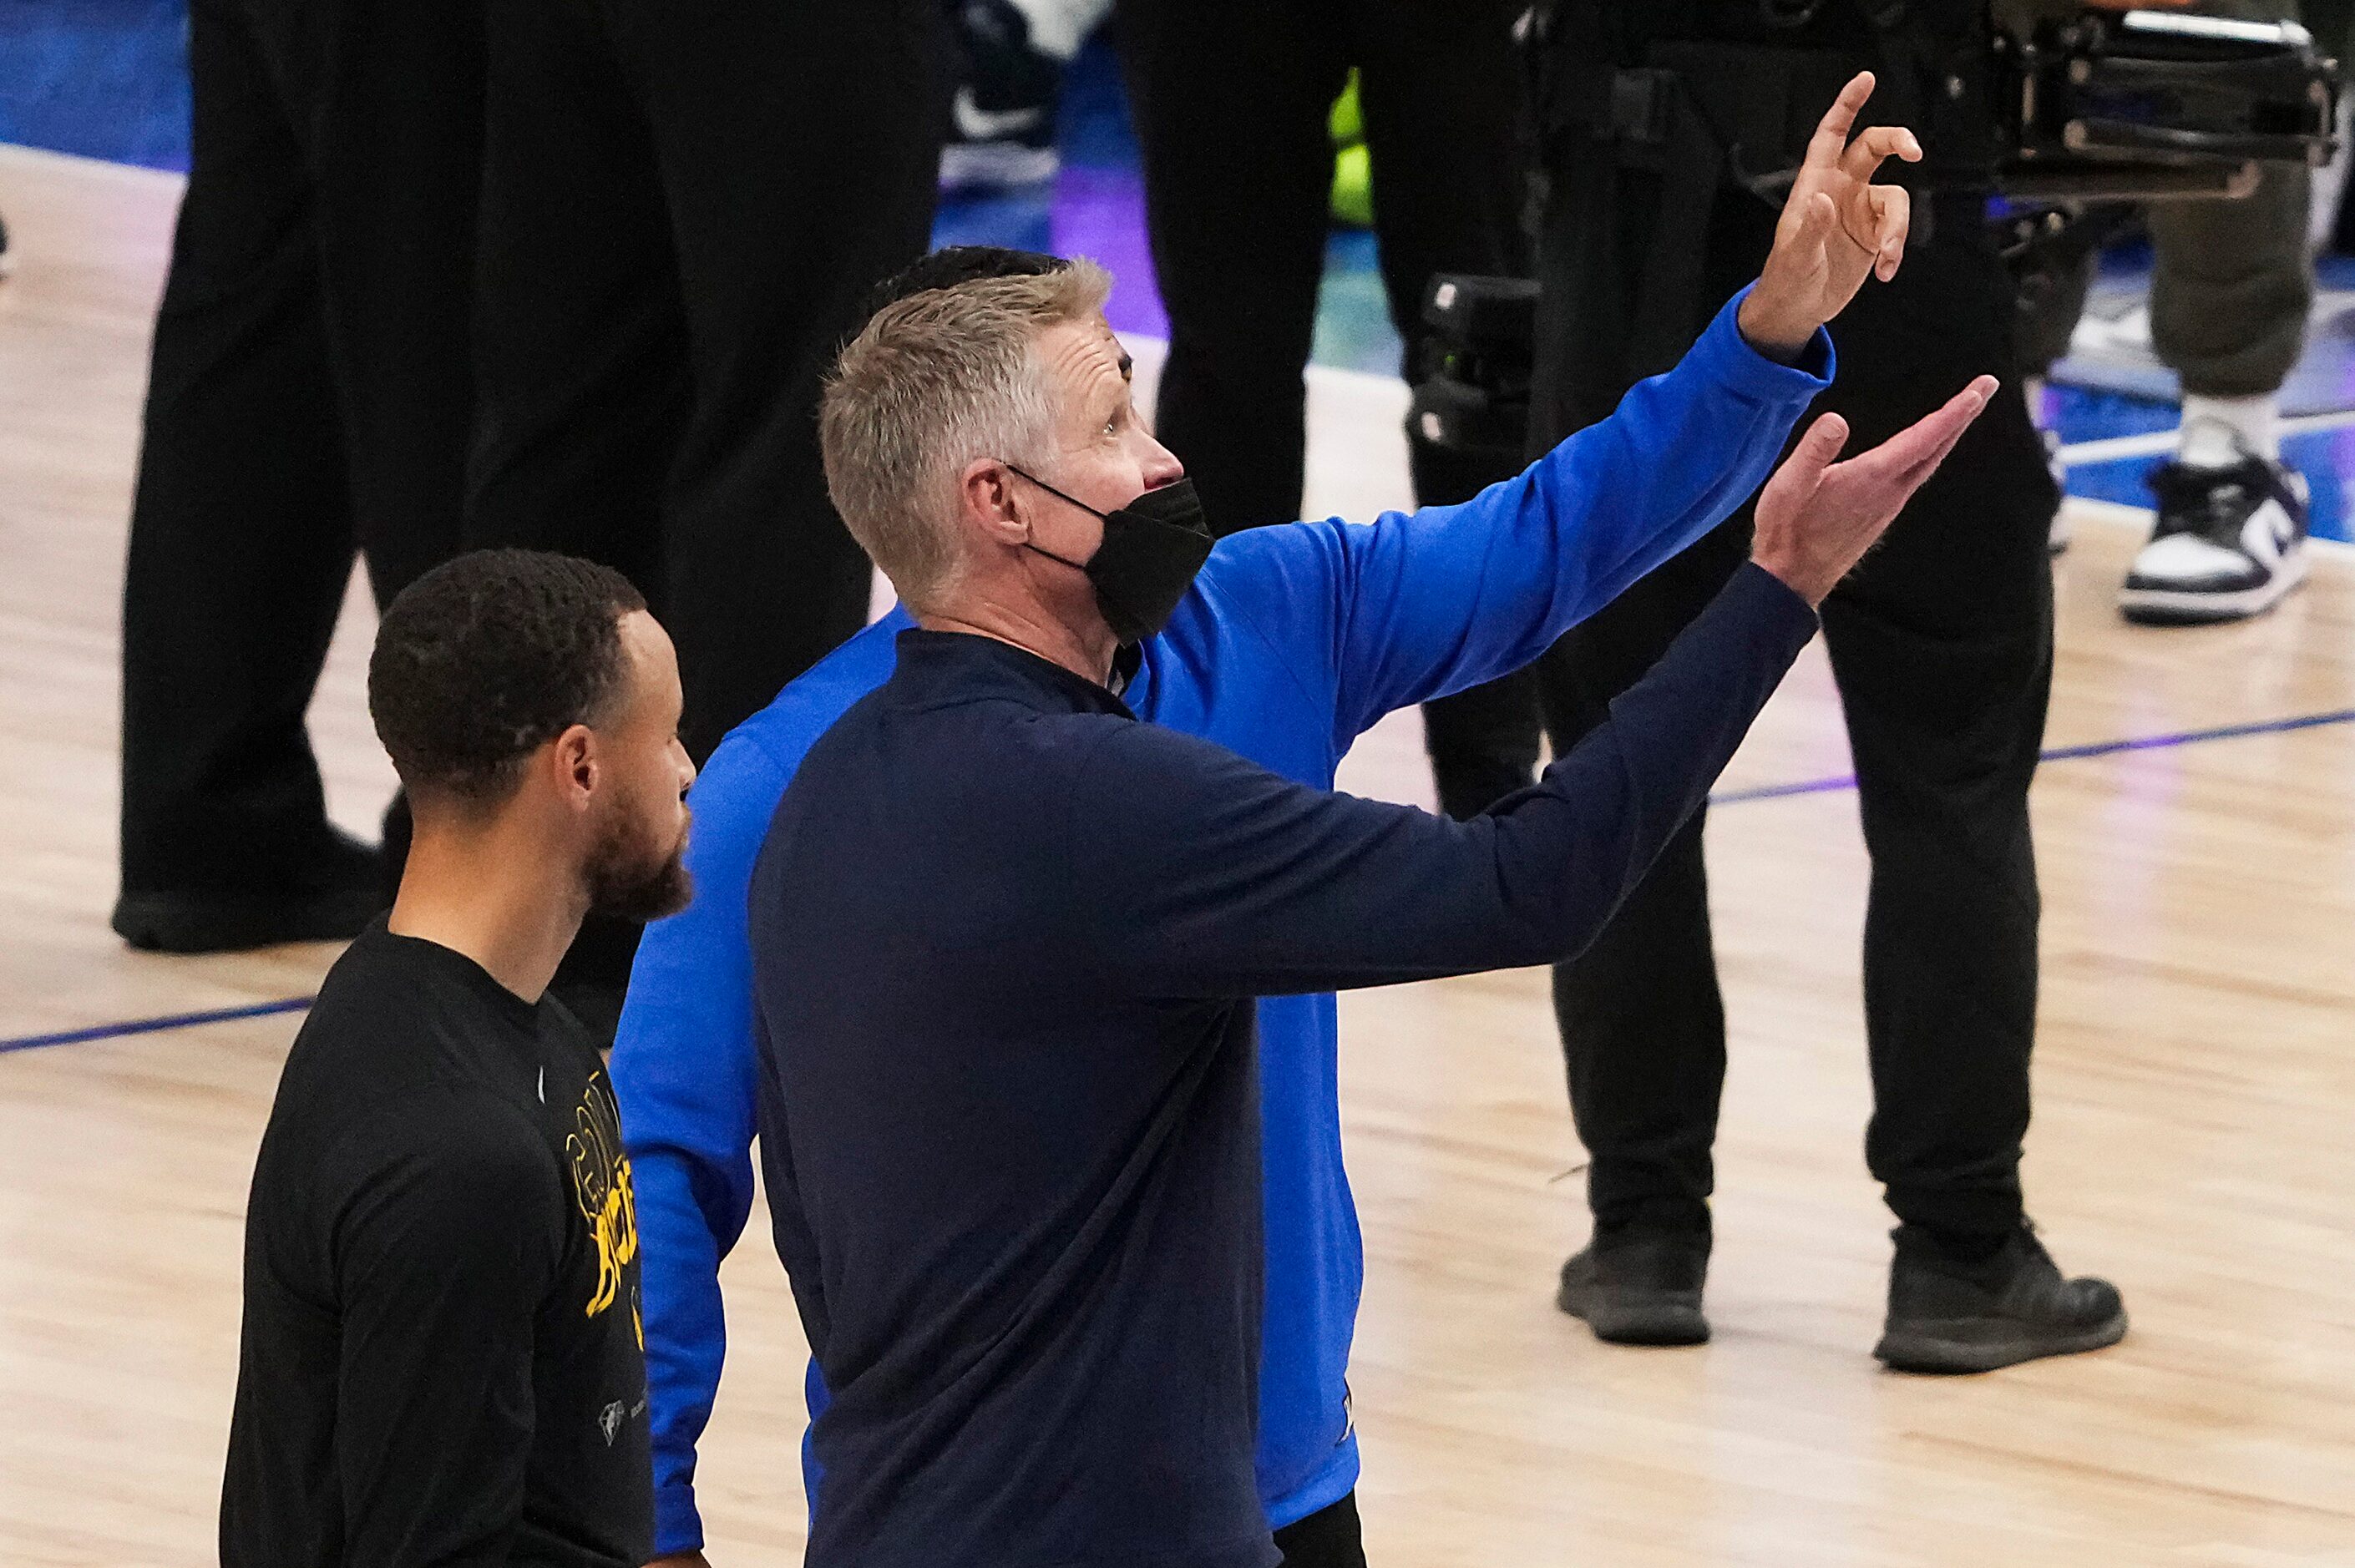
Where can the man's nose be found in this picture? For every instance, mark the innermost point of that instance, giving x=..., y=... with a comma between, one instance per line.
x=1161, y=466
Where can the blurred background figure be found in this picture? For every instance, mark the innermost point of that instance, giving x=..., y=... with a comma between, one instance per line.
x=684, y=206
x=2231, y=285
x=1011, y=58
x=309, y=396
x=1232, y=102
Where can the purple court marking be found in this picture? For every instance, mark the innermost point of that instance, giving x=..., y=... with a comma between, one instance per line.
x=1726, y=797
x=2062, y=754
x=151, y=1025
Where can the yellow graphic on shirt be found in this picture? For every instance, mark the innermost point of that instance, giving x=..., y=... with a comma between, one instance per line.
x=600, y=1181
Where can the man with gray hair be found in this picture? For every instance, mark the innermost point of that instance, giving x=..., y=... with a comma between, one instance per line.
x=1287, y=646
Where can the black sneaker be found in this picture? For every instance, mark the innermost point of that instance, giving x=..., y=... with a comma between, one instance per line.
x=1002, y=136
x=330, y=900
x=1949, y=1316
x=5, y=262
x=1640, y=1287
x=2229, y=543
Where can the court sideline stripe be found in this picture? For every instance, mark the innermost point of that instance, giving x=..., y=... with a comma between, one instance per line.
x=2064, y=753
x=1723, y=798
x=152, y=1025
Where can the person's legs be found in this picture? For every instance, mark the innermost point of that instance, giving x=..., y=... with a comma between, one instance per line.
x=240, y=540
x=398, y=166
x=1230, y=99
x=1438, y=85
x=580, y=343
x=798, y=146
x=2230, y=285
x=1329, y=1537
x=1942, y=644
x=2229, y=294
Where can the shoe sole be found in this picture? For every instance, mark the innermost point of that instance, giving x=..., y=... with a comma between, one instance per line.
x=1965, y=1346
x=2178, y=607
x=1658, y=1320
x=176, y=922
x=972, y=167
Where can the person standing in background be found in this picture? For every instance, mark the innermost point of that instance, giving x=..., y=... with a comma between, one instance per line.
x=683, y=208
x=1941, y=643
x=2230, y=285
x=309, y=394
x=1231, y=101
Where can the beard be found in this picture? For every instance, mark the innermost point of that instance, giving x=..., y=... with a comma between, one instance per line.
x=632, y=875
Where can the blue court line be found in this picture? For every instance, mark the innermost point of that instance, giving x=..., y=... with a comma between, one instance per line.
x=1723, y=798
x=2062, y=754
x=151, y=1025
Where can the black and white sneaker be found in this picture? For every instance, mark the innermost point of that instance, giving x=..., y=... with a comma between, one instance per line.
x=2229, y=543
x=1002, y=136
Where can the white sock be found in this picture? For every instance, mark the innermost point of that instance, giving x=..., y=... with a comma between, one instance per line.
x=1058, y=27
x=2216, y=430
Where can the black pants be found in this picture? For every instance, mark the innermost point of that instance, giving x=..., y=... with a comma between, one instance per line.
x=1329, y=1537
x=1942, y=645
x=1231, y=99
x=685, y=202
x=308, y=395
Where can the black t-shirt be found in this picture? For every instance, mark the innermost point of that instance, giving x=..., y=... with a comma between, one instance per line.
x=441, y=1360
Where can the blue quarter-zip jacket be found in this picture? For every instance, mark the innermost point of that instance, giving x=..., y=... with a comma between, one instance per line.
x=1295, y=641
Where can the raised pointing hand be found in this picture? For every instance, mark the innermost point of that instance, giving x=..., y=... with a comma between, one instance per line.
x=1836, y=228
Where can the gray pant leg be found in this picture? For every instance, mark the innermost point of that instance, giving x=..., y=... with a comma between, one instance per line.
x=2231, y=288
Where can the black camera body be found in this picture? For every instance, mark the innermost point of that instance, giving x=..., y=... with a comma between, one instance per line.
x=2149, y=105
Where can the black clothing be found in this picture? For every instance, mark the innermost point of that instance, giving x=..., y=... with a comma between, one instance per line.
x=440, y=1355
x=1329, y=1537
x=684, y=207
x=1004, y=940
x=309, y=394
x=1942, y=644
x=1231, y=100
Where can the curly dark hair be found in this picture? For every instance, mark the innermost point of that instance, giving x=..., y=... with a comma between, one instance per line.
x=948, y=266
x=487, y=658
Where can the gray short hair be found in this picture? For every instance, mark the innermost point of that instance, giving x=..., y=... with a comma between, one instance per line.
x=932, y=382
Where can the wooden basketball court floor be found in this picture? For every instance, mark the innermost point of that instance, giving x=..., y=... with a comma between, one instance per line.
x=2196, y=1087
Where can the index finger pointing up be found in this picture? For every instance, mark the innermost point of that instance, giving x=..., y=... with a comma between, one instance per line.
x=1830, y=140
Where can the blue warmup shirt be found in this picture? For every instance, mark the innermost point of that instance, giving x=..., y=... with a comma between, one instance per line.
x=1295, y=641
x=1005, y=939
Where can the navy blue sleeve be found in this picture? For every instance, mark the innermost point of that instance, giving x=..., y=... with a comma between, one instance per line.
x=1210, y=876
x=684, y=1072
x=1414, y=606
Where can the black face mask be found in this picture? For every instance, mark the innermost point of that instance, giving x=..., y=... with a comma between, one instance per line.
x=1152, y=549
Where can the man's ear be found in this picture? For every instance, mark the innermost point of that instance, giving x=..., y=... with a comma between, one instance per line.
x=986, y=501
x=573, y=762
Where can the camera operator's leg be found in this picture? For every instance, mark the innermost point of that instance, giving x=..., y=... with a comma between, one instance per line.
x=1230, y=99
x=2229, y=296
x=1942, y=645
x=1643, y=1027
x=1438, y=89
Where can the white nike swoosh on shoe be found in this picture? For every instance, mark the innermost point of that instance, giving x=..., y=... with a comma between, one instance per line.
x=979, y=125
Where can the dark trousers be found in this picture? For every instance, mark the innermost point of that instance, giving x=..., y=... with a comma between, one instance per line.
x=308, y=395
x=685, y=202
x=1942, y=645
x=1231, y=99
x=1329, y=1537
